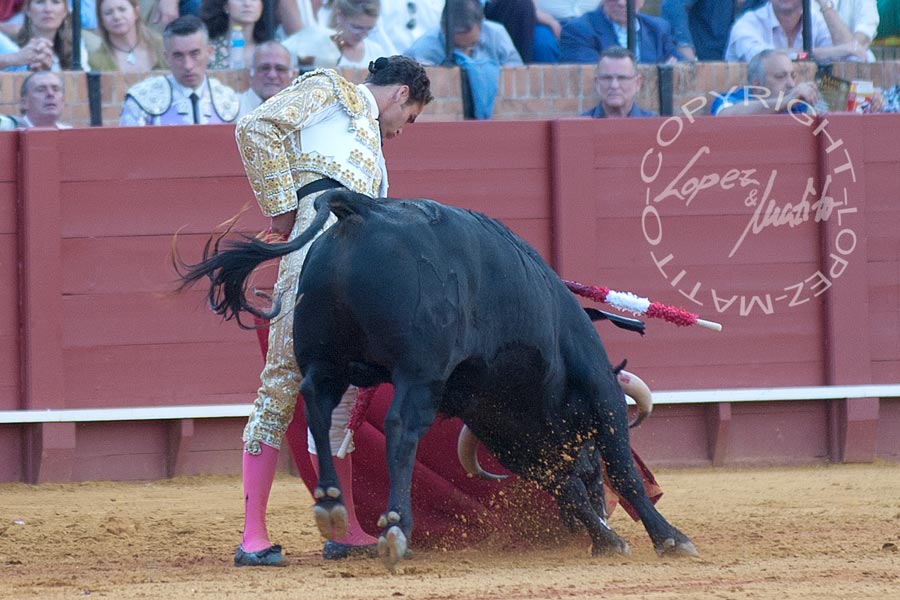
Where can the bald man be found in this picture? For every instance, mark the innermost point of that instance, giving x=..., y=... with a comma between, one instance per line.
x=270, y=72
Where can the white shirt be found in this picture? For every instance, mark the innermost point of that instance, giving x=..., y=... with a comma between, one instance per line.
x=249, y=101
x=316, y=42
x=26, y=123
x=404, y=21
x=622, y=36
x=371, y=51
x=860, y=16
x=758, y=30
x=566, y=9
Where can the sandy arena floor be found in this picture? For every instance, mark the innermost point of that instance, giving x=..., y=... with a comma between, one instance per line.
x=786, y=533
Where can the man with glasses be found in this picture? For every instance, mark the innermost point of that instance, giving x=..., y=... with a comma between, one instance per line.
x=270, y=72
x=617, y=82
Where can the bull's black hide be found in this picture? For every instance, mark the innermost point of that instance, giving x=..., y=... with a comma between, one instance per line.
x=465, y=319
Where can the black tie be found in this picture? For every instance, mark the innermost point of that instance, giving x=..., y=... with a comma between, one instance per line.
x=195, y=101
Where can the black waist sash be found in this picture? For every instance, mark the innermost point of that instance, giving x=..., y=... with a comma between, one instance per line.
x=319, y=185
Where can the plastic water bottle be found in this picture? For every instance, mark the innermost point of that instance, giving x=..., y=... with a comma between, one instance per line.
x=236, y=53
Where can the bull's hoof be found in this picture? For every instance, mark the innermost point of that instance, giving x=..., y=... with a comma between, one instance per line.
x=389, y=518
x=676, y=548
x=606, y=542
x=616, y=548
x=392, y=547
x=331, y=519
x=337, y=551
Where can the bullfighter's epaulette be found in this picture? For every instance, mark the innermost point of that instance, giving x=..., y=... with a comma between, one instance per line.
x=345, y=92
x=154, y=96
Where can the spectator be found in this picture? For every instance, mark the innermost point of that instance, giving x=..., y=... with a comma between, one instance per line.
x=773, y=88
x=892, y=99
x=36, y=55
x=89, y=20
x=43, y=100
x=778, y=25
x=473, y=37
x=583, y=39
x=51, y=20
x=551, y=15
x=186, y=96
x=617, y=82
x=851, y=22
x=700, y=27
x=402, y=22
x=221, y=17
x=294, y=15
x=344, y=43
x=480, y=48
x=159, y=13
x=12, y=17
x=270, y=72
x=128, y=45
x=519, y=18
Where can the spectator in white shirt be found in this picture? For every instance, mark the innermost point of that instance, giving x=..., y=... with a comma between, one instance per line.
x=43, y=100
x=402, y=22
x=852, y=23
x=775, y=25
x=778, y=24
x=270, y=72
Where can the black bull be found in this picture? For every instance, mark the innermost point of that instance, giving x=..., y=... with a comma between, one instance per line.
x=465, y=319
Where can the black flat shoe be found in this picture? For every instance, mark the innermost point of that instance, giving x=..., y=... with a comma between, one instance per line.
x=269, y=557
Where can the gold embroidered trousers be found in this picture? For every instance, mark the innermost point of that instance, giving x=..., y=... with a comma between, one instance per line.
x=276, y=398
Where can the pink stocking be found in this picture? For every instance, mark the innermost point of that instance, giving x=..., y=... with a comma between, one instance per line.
x=258, y=473
x=344, y=467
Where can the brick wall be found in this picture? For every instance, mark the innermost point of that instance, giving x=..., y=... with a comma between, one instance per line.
x=530, y=92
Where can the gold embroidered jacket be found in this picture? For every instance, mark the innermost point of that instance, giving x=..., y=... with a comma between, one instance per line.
x=303, y=130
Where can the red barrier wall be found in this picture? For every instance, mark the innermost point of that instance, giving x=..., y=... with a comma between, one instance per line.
x=91, y=215
x=10, y=436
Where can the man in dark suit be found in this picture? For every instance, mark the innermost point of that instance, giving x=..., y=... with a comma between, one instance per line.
x=584, y=38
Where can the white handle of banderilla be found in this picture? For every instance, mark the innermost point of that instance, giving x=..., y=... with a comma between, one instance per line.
x=709, y=324
x=345, y=444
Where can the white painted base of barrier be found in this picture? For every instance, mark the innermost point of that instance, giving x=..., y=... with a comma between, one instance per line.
x=84, y=415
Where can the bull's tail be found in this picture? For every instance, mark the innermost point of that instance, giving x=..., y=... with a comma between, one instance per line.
x=229, y=268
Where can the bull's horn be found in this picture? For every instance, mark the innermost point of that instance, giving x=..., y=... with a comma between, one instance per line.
x=467, y=451
x=635, y=387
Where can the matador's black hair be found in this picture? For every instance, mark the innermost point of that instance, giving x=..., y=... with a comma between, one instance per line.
x=402, y=70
